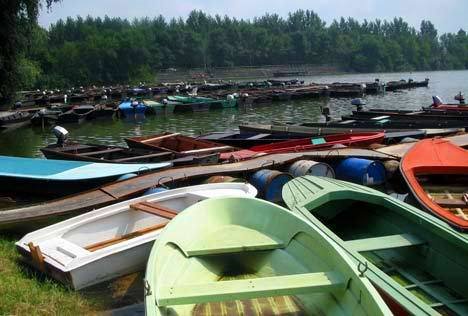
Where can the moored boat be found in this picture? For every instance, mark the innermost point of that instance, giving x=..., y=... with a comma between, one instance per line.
x=177, y=143
x=436, y=172
x=12, y=119
x=244, y=140
x=305, y=130
x=117, y=154
x=354, y=140
x=304, y=144
x=114, y=240
x=76, y=114
x=131, y=108
x=241, y=255
x=59, y=177
x=414, y=259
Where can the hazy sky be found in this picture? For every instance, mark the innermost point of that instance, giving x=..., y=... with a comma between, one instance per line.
x=447, y=15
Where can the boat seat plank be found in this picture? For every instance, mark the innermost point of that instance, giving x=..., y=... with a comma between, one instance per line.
x=72, y=148
x=385, y=242
x=99, y=152
x=251, y=288
x=379, y=118
x=155, y=155
x=451, y=203
x=258, y=136
x=158, y=137
x=232, y=239
x=210, y=149
x=116, y=240
x=155, y=209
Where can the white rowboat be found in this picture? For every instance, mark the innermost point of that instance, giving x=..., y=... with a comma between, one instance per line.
x=114, y=240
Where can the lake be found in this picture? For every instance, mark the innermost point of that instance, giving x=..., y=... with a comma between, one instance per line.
x=27, y=141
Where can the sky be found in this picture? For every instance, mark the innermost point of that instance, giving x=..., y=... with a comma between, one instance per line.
x=446, y=15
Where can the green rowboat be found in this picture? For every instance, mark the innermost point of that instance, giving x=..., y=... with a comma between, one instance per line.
x=233, y=256
x=417, y=261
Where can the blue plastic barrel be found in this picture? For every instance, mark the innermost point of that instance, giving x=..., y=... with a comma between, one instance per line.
x=361, y=171
x=154, y=190
x=269, y=183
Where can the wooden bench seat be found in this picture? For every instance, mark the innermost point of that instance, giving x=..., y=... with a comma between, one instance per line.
x=148, y=140
x=155, y=155
x=119, y=239
x=451, y=202
x=99, y=152
x=155, y=209
x=210, y=149
x=294, y=284
x=385, y=242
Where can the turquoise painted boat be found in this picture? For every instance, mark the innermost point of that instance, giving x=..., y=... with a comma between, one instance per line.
x=245, y=256
x=59, y=177
x=418, y=262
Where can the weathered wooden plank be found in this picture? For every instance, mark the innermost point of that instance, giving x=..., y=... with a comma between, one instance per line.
x=251, y=288
x=116, y=240
x=155, y=209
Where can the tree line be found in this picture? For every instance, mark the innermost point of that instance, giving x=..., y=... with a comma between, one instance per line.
x=82, y=51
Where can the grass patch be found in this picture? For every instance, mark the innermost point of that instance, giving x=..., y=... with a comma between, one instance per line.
x=25, y=292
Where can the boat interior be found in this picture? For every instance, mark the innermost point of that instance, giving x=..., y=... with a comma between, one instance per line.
x=448, y=191
x=239, y=269
x=183, y=144
x=416, y=258
x=114, y=154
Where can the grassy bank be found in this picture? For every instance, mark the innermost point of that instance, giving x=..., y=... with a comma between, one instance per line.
x=26, y=292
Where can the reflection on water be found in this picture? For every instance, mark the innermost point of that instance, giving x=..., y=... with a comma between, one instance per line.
x=27, y=141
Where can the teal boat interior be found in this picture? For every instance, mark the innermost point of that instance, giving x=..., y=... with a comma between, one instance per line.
x=418, y=251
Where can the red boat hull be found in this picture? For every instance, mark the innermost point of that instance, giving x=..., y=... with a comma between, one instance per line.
x=436, y=157
x=450, y=107
x=305, y=144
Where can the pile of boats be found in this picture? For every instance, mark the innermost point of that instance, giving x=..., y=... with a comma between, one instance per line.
x=275, y=223
x=78, y=105
x=435, y=120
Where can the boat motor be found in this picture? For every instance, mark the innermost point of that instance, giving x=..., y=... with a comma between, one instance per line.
x=326, y=113
x=61, y=134
x=460, y=98
x=436, y=101
x=358, y=103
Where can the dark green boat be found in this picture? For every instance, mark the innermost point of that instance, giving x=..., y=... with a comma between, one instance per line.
x=417, y=262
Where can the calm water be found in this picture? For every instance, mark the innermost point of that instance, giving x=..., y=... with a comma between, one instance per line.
x=27, y=141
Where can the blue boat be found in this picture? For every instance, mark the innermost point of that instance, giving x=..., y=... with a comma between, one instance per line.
x=60, y=177
x=130, y=108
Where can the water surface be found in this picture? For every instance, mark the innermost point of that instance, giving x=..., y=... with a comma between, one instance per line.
x=27, y=141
